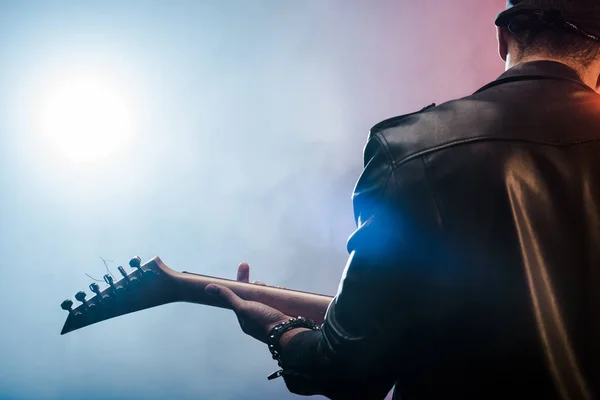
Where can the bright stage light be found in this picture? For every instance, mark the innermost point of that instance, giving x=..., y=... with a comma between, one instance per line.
x=85, y=118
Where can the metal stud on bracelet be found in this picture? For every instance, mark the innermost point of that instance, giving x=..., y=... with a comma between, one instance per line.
x=277, y=332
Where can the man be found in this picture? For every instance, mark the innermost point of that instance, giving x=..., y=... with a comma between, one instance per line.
x=475, y=269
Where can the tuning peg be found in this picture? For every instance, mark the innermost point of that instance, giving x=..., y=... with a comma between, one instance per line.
x=80, y=296
x=96, y=290
x=136, y=262
x=125, y=276
x=67, y=305
x=123, y=272
x=110, y=282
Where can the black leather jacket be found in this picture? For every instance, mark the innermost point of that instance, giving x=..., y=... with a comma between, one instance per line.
x=475, y=269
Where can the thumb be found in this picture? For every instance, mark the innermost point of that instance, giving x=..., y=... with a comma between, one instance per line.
x=225, y=294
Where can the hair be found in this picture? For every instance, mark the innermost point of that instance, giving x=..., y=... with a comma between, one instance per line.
x=558, y=43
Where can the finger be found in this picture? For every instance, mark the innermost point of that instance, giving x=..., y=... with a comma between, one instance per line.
x=259, y=283
x=243, y=273
x=231, y=299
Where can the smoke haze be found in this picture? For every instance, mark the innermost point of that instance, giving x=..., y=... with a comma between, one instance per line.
x=251, y=119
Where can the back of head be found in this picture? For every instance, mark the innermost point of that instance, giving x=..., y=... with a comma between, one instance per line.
x=558, y=29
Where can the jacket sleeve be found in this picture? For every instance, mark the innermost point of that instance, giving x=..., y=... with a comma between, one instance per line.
x=374, y=315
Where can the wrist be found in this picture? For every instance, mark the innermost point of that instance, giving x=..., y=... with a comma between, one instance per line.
x=274, y=324
x=281, y=334
x=287, y=337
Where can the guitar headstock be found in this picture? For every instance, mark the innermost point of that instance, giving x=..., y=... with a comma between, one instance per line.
x=147, y=285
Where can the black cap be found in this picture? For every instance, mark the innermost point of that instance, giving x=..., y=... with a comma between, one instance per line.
x=580, y=15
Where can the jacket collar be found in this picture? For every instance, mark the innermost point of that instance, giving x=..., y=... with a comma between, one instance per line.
x=537, y=70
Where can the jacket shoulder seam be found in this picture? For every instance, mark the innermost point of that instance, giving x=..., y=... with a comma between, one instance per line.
x=390, y=122
x=385, y=146
x=443, y=146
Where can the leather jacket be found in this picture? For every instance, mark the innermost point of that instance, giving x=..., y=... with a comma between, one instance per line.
x=474, y=272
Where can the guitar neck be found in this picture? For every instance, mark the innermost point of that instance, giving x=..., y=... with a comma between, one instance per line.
x=154, y=284
x=190, y=288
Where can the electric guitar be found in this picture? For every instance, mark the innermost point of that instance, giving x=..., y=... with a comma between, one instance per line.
x=153, y=284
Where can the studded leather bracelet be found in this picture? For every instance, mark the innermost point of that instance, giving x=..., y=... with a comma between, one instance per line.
x=277, y=332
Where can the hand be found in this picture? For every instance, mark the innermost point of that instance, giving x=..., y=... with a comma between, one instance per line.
x=256, y=319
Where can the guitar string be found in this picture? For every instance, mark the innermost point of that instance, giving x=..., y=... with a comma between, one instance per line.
x=105, y=266
x=91, y=277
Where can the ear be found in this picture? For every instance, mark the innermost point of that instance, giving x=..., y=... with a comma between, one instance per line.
x=502, y=37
